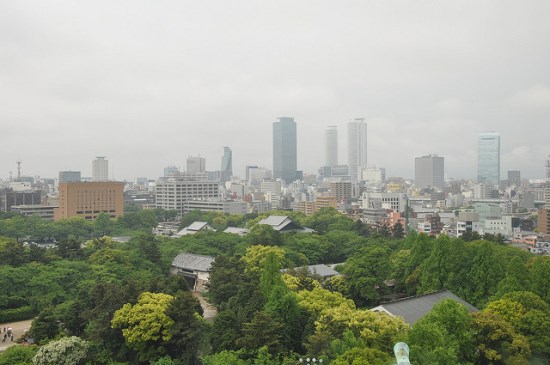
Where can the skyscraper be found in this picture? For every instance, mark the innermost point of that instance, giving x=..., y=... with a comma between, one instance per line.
x=357, y=148
x=429, y=171
x=196, y=164
x=284, y=149
x=331, y=146
x=488, y=158
x=227, y=162
x=100, y=169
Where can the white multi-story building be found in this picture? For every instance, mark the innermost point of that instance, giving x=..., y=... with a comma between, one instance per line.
x=100, y=169
x=331, y=146
x=394, y=201
x=273, y=187
x=373, y=175
x=357, y=147
x=208, y=205
x=172, y=192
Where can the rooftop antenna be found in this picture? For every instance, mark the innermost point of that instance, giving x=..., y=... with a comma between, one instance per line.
x=548, y=168
x=19, y=169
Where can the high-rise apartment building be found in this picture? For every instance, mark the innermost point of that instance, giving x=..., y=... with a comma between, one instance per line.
x=331, y=146
x=285, y=150
x=488, y=158
x=342, y=190
x=357, y=148
x=429, y=171
x=196, y=164
x=89, y=199
x=100, y=169
x=227, y=164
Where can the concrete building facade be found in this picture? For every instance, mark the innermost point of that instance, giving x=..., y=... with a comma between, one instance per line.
x=173, y=192
x=89, y=199
x=429, y=171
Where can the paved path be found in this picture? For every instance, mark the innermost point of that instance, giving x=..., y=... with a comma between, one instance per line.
x=209, y=311
x=18, y=329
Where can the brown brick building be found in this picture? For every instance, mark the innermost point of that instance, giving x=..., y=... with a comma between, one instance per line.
x=89, y=199
x=543, y=222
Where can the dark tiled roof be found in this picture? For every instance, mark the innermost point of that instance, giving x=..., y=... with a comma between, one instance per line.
x=193, y=262
x=414, y=308
x=283, y=223
x=322, y=270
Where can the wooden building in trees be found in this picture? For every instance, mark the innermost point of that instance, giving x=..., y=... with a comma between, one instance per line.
x=194, y=268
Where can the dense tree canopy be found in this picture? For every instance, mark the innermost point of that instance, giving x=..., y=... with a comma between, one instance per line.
x=119, y=298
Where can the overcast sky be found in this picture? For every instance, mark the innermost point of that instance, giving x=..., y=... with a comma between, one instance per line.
x=149, y=83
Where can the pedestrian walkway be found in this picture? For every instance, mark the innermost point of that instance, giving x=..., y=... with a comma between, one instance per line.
x=209, y=311
x=18, y=329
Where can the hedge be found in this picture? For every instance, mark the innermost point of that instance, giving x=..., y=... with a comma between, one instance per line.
x=17, y=314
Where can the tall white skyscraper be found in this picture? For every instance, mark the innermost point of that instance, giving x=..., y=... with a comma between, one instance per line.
x=331, y=146
x=357, y=148
x=488, y=158
x=100, y=169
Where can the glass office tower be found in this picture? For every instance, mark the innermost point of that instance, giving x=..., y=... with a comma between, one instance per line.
x=488, y=158
x=284, y=150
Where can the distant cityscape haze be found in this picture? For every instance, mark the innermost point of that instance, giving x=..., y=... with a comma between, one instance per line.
x=148, y=85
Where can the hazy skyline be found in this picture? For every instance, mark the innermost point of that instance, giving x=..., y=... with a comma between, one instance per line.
x=149, y=84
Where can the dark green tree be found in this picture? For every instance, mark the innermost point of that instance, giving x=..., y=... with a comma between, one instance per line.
x=187, y=330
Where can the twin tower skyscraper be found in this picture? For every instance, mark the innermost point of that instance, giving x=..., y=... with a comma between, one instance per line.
x=285, y=148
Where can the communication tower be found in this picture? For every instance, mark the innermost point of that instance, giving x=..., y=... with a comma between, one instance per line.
x=19, y=170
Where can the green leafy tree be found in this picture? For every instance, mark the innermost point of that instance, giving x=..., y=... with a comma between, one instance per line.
x=145, y=325
x=224, y=358
x=187, y=330
x=516, y=279
x=13, y=253
x=497, y=341
x=484, y=275
x=397, y=231
x=65, y=351
x=44, y=326
x=225, y=277
x=444, y=335
x=148, y=246
x=18, y=355
x=263, y=330
x=263, y=234
x=539, y=273
x=366, y=273
x=103, y=225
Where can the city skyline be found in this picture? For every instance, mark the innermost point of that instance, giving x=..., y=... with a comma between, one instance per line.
x=149, y=84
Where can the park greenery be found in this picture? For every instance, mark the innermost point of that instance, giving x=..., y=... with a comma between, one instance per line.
x=98, y=300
